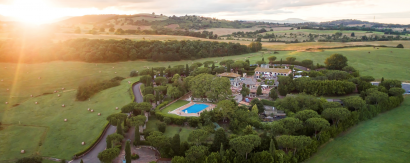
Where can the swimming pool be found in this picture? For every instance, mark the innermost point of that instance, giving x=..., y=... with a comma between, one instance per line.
x=195, y=108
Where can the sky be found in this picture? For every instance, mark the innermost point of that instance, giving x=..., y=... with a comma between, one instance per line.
x=45, y=11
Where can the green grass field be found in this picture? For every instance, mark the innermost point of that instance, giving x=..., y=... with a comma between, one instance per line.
x=323, y=31
x=25, y=124
x=63, y=139
x=174, y=106
x=385, y=138
x=171, y=130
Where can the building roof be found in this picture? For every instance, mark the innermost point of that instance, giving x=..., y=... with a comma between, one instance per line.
x=229, y=75
x=278, y=70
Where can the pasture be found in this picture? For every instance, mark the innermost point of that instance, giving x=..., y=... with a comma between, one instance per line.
x=40, y=128
x=44, y=122
x=385, y=138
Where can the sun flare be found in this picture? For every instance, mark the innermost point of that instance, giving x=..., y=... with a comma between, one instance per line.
x=30, y=11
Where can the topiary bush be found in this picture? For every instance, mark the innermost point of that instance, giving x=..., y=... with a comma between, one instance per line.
x=133, y=73
x=135, y=156
x=167, y=120
x=161, y=126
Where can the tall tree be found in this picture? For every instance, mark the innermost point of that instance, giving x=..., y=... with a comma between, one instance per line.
x=112, y=139
x=271, y=59
x=259, y=91
x=227, y=108
x=198, y=136
x=119, y=128
x=272, y=149
x=336, y=62
x=306, y=114
x=128, y=152
x=336, y=114
x=108, y=155
x=245, y=144
x=196, y=153
x=273, y=94
x=158, y=140
x=244, y=91
x=186, y=70
x=317, y=124
x=137, y=138
x=176, y=144
x=354, y=103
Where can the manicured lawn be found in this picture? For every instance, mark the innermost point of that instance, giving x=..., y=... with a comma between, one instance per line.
x=385, y=138
x=174, y=106
x=63, y=139
x=171, y=130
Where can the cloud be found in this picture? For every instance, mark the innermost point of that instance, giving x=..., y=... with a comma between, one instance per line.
x=313, y=10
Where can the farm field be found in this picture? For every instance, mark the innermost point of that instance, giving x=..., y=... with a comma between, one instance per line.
x=385, y=138
x=321, y=31
x=22, y=80
x=41, y=128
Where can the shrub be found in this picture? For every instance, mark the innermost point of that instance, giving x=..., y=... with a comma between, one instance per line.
x=400, y=46
x=167, y=120
x=193, y=121
x=135, y=156
x=133, y=73
x=161, y=126
x=267, y=102
x=90, y=87
x=34, y=159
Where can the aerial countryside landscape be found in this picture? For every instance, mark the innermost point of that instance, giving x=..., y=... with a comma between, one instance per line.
x=121, y=81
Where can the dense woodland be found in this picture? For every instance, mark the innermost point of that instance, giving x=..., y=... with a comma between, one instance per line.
x=90, y=50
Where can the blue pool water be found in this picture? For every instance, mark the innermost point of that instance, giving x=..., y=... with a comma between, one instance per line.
x=195, y=108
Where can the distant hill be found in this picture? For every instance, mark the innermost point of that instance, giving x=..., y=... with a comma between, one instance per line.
x=289, y=20
x=86, y=19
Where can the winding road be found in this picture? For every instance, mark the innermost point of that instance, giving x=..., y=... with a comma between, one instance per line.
x=92, y=156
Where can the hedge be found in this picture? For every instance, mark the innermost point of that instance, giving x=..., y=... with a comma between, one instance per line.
x=178, y=120
x=267, y=102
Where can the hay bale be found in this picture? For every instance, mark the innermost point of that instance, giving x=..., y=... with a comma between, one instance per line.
x=82, y=143
x=65, y=120
x=115, y=72
x=36, y=102
x=39, y=77
x=31, y=95
x=7, y=103
x=112, y=67
x=88, y=109
x=116, y=108
x=63, y=105
x=100, y=71
x=92, y=110
x=99, y=114
x=63, y=88
x=58, y=95
x=22, y=151
x=1, y=79
x=55, y=91
x=7, y=89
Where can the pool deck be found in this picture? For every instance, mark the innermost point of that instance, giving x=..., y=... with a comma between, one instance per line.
x=179, y=112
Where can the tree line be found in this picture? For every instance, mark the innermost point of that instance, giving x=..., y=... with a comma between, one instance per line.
x=91, y=50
